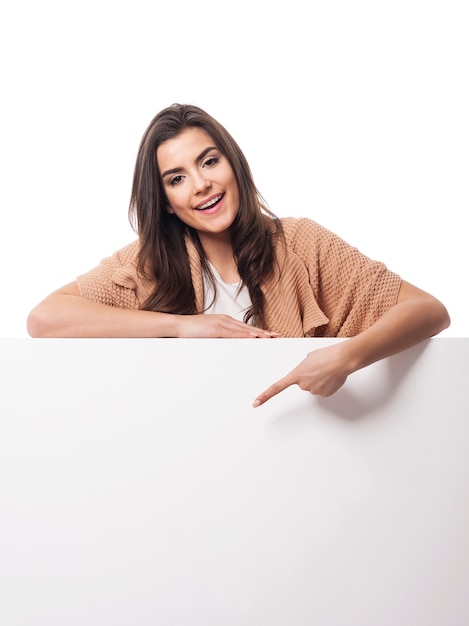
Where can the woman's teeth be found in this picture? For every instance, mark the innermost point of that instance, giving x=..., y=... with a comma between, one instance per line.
x=210, y=203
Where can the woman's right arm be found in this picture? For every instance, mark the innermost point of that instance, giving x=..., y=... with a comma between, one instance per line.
x=65, y=313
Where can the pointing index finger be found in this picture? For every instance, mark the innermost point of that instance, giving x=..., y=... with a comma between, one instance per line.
x=273, y=390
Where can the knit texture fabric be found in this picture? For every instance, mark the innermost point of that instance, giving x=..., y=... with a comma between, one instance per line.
x=324, y=288
x=352, y=290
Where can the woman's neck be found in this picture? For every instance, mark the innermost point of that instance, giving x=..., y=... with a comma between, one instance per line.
x=219, y=253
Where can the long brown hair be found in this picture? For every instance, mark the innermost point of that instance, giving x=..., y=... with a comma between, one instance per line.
x=163, y=256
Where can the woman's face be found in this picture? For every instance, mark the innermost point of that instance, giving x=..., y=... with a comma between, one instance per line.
x=198, y=181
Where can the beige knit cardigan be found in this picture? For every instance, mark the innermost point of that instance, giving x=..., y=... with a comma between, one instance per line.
x=325, y=288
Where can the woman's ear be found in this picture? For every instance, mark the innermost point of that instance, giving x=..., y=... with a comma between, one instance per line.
x=168, y=209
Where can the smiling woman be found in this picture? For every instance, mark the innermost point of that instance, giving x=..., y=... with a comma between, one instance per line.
x=201, y=190
x=211, y=260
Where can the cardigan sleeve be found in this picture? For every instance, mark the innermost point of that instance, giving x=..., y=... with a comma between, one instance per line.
x=113, y=281
x=351, y=289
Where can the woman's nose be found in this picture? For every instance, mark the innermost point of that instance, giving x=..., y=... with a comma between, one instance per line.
x=201, y=183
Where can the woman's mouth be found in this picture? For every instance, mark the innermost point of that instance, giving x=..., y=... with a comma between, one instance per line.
x=210, y=204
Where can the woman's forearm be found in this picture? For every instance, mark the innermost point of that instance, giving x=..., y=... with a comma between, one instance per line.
x=416, y=316
x=66, y=314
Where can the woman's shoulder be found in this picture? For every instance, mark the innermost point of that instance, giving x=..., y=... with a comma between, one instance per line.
x=127, y=254
x=294, y=224
x=301, y=229
x=118, y=267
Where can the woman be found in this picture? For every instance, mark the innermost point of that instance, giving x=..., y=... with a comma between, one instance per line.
x=212, y=261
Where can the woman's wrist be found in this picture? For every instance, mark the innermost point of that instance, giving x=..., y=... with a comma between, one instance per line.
x=349, y=355
x=166, y=324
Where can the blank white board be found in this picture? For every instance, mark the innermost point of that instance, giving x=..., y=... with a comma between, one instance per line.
x=138, y=486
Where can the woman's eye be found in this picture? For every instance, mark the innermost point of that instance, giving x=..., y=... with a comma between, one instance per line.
x=211, y=161
x=175, y=181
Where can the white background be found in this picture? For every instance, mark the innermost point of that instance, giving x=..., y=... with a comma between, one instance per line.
x=351, y=113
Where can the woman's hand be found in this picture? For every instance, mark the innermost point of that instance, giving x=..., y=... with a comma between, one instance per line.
x=416, y=316
x=322, y=373
x=214, y=325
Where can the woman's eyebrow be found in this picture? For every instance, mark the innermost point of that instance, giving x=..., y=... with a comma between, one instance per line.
x=206, y=151
x=176, y=170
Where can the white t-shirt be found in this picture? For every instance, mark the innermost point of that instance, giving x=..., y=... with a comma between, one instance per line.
x=229, y=300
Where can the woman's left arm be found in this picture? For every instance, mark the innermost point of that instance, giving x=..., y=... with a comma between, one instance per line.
x=416, y=316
